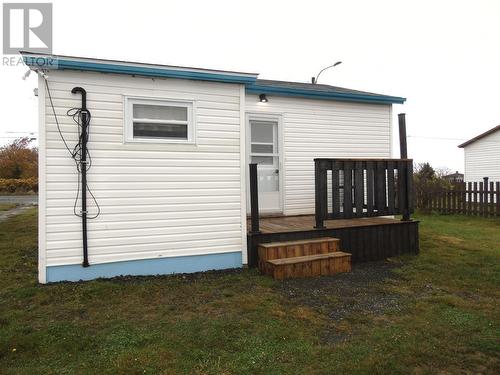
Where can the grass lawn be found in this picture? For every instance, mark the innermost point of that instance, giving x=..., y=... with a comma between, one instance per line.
x=434, y=313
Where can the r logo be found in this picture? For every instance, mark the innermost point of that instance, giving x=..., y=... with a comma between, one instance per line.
x=27, y=26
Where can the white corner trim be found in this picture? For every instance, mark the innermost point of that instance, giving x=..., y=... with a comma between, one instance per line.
x=42, y=192
x=243, y=174
x=391, y=131
x=283, y=170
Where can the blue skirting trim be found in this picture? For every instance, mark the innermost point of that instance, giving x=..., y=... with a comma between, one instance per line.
x=160, y=266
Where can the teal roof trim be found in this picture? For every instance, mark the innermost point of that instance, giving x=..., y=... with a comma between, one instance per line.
x=312, y=93
x=252, y=84
x=151, y=71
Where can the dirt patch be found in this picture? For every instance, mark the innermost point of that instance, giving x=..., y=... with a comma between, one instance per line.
x=4, y=215
x=346, y=296
x=451, y=240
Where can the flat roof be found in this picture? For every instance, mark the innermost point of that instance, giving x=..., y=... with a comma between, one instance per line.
x=478, y=137
x=252, y=84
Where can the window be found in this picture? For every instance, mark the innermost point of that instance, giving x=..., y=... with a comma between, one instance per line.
x=151, y=120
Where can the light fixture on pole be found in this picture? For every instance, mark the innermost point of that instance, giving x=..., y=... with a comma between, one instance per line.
x=314, y=80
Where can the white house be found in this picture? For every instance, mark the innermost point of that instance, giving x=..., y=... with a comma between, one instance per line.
x=170, y=148
x=482, y=156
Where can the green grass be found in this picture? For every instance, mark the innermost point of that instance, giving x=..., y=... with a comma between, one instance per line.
x=242, y=323
x=7, y=206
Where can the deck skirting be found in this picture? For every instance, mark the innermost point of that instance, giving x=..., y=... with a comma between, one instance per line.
x=365, y=242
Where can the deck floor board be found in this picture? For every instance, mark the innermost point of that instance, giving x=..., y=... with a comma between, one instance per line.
x=283, y=224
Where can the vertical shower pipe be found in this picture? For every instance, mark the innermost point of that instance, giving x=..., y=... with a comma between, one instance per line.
x=83, y=171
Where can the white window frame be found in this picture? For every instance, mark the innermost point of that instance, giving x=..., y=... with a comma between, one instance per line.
x=128, y=112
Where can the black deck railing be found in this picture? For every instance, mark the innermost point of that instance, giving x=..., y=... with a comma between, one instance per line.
x=254, y=199
x=355, y=188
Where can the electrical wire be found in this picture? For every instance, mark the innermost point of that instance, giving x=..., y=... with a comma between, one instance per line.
x=449, y=139
x=76, y=153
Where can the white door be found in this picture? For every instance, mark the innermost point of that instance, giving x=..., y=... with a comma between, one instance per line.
x=264, y=150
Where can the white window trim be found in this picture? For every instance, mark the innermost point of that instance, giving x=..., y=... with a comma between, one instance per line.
x=128, y=103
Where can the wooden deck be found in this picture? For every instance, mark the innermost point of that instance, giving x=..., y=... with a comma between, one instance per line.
x=367, y=239
x=285, y=224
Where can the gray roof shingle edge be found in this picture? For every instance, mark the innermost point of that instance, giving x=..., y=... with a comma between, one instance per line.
x=320, y=91
x=310, y=86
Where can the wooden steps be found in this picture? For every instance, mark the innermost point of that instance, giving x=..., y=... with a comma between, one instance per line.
x=311, y=265
x=305, y=258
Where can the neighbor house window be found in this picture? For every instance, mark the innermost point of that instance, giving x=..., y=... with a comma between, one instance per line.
x=152, y=120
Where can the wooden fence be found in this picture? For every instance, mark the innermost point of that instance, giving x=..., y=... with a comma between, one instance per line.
x=472, y=198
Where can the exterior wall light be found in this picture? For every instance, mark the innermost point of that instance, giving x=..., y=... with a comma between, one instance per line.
x=263, y=98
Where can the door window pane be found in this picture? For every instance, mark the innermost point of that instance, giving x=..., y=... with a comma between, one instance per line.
x=262, y=149
x=262, y=132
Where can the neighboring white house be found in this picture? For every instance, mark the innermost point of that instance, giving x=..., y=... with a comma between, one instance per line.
x=170, y=148
x=482, y=156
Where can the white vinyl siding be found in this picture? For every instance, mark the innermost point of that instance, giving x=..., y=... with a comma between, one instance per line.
x=482, y=158
x=322, y=128
x=157, y=200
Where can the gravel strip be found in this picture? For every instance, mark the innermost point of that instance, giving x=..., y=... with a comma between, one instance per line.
x=343, y=295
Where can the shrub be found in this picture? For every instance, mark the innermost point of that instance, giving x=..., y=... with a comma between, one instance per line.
x=18, y=160
x=19, y=185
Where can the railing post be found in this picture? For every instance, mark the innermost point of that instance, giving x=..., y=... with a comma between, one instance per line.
x=254, y=199
x=320, y=194
x=408, y=179
x=408, y=175
x=411, y=193
x=402, y=135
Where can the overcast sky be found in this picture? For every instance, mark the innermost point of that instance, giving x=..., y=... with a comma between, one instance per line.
x=443, y=56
